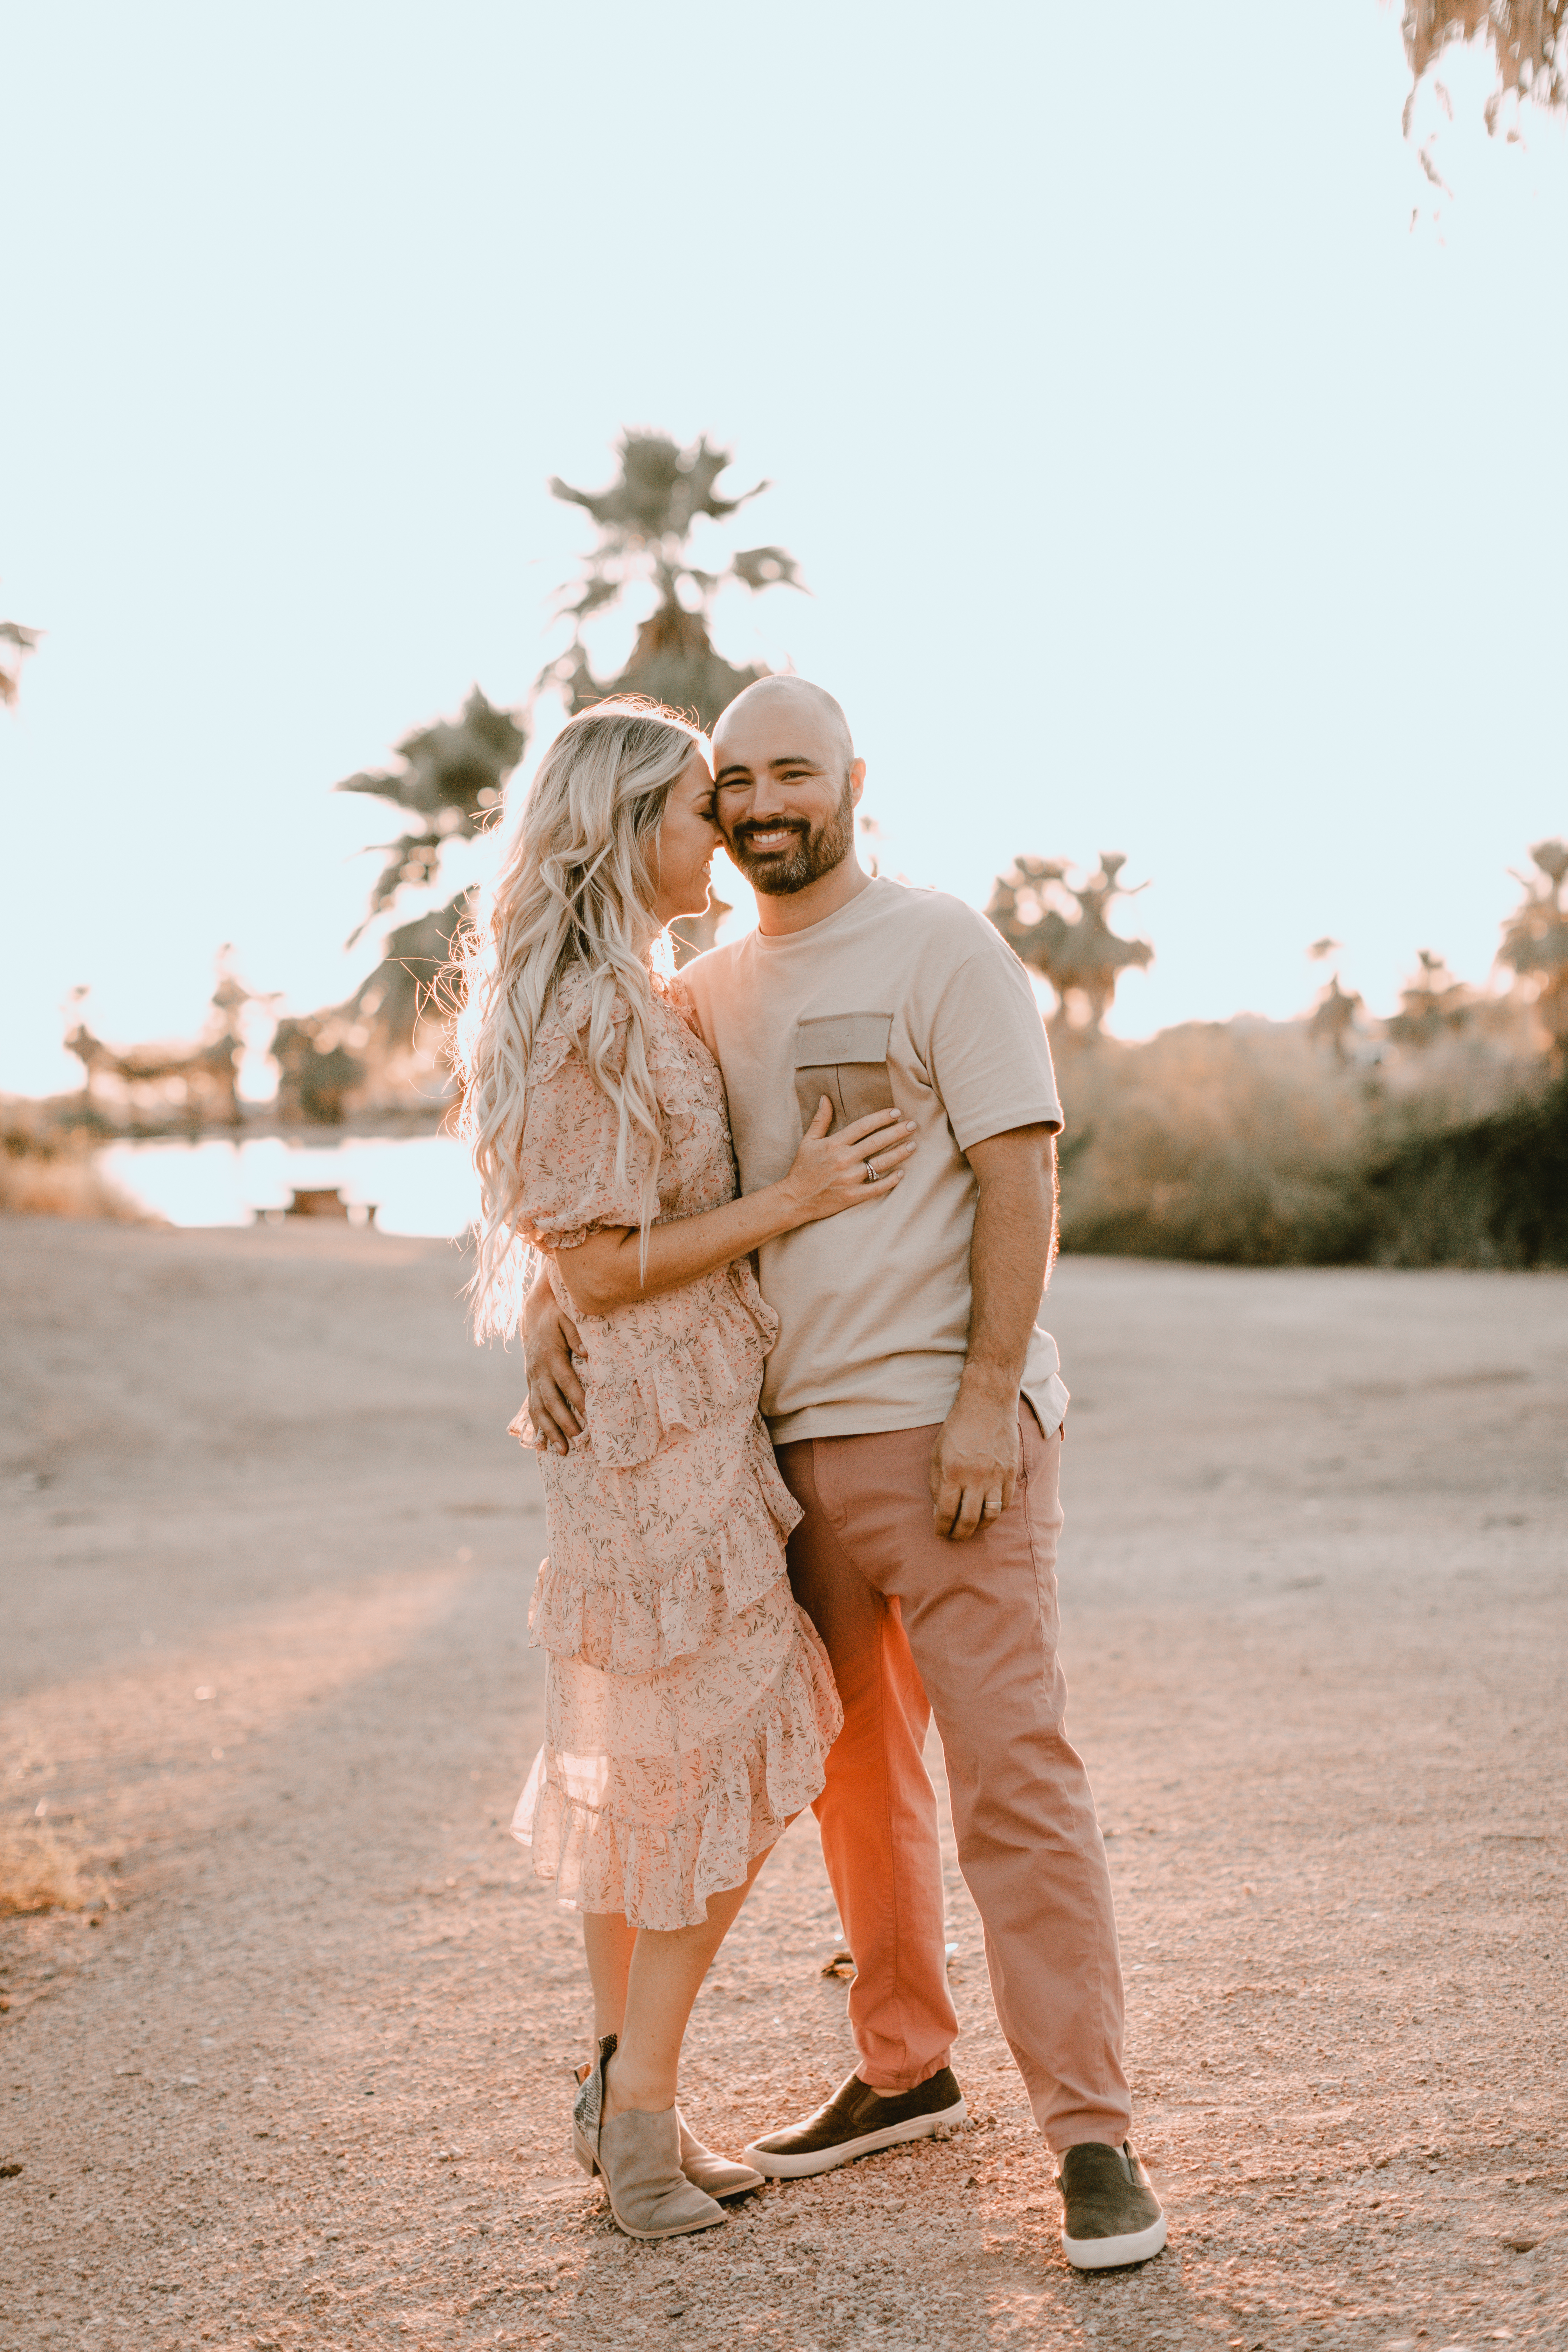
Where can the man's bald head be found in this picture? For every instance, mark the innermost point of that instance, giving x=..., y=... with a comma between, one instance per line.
x=780, y=697
x=786, y=782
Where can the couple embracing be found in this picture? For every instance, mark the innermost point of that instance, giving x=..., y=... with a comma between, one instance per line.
x=800, y=1436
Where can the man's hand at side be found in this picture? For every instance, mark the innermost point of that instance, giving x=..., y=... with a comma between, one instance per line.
x=556, y=1404
x=975, y=1461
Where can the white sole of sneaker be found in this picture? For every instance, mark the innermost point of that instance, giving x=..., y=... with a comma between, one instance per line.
x=825, y=2159
x=1114, y=2253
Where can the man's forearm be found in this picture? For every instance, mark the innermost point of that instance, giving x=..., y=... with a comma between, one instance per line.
x=1010, y=1255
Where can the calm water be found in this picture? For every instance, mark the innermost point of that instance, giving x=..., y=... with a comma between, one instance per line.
x=417, y=1183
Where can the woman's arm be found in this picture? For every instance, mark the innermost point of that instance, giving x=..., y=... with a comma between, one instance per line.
x=608, y=1270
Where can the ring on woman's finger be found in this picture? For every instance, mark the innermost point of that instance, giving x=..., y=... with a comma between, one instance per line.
x=871, y=1177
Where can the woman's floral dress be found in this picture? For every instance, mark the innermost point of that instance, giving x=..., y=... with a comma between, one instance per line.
x=688, y=1702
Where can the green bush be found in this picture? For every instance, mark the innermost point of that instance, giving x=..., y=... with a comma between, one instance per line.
x=1494, y=1192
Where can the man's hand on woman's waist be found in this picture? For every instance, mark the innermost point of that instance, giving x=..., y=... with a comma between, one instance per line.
x=556, y=1404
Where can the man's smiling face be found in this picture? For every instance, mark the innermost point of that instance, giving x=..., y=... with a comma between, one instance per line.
x=786, y=782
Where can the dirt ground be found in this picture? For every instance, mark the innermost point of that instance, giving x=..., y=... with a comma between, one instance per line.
x=304, y=2081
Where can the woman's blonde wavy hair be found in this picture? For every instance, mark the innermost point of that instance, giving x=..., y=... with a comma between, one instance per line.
x=577, y=888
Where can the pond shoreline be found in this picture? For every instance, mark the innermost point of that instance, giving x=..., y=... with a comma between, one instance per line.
x=419, y=1184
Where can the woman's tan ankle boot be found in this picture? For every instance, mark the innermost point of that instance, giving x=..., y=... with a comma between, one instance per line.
x=719, y=2175
x=638, y=2156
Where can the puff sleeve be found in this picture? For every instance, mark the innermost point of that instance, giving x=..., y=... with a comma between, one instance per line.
x=567, y=1163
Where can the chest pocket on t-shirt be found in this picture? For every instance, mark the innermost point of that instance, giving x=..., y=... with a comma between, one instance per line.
x=843, y=1055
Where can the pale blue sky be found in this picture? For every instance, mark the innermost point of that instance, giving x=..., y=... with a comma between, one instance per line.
x=1162, y=486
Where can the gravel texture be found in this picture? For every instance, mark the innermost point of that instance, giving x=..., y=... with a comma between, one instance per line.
x=304, y=2081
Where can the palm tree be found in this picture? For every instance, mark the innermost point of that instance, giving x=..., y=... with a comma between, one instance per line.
x=375, y=1049
x=1433, y=1005
x=644, y=520
x=451, y=777
x=1079, y=954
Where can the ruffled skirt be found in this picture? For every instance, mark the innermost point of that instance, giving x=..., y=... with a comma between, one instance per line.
x=653, y=1836
x=688, y=1702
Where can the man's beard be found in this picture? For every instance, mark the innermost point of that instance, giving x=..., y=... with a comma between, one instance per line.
x=782, y=872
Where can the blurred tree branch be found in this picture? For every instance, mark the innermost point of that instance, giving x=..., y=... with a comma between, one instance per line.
x=20, y=642
x=1525, y=37
x=452, y=775
x=1535, y=939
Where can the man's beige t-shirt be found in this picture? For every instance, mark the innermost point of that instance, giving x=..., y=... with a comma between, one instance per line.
x=906, y=996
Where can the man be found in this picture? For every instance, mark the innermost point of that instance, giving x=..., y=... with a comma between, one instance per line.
x=917, y=1411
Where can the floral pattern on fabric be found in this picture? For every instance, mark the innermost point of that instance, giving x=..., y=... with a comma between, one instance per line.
x=688, y=1702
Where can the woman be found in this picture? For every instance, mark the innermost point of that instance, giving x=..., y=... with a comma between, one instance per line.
x=688, y=1702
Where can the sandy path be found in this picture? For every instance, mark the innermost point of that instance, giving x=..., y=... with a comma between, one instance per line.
x=307, y=2085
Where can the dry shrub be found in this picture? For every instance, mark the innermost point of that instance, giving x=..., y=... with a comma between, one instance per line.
x=62, y=1188
x=1496, y=1060
x=48, y=1168
x=38, y=1872
x=1242, y=1142
x=1491, y=1192
x=1233, y=1141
